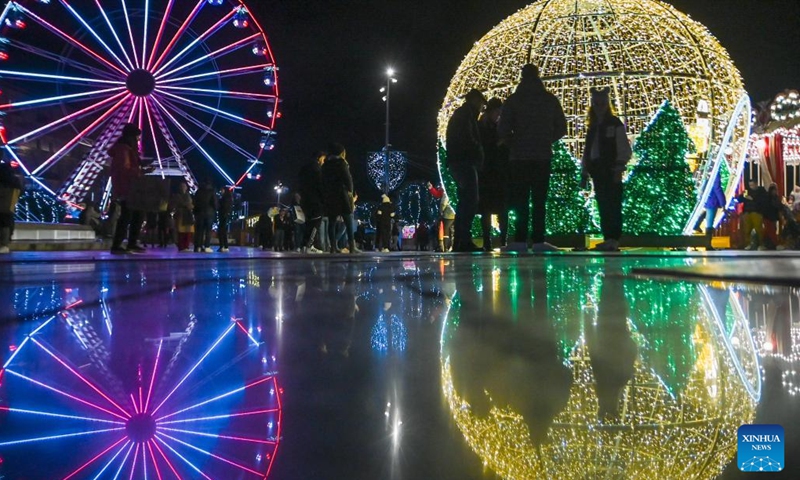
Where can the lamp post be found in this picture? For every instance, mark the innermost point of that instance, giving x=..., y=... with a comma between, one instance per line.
x=387, y=90
x=279, y=188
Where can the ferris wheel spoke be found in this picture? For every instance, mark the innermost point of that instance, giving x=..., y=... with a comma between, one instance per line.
x=130, y=33
x=178, y=34
x=185, y=460
x=194, y=142
x=206, y=92
x=46, y=77
x=202, y=37
x=74, y=142
x=94, y=33
x=59, y=437
x=74, y=64
x=94, y=459
x=233, y=72
x=60, y=98
x=160, y=33
x=224, y=114
x=28, y=173
x=161, y=168
x=213, y=55
x=212, y=455
x=144, y=37
x=114, y=33
x=64, y=121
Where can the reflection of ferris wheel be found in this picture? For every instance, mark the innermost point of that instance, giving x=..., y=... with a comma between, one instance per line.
x=198, y=78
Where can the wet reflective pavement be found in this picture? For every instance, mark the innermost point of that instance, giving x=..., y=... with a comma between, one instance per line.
x=418, y=367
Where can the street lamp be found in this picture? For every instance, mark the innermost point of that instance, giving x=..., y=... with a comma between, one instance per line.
x=279, y=189
x=386, y=98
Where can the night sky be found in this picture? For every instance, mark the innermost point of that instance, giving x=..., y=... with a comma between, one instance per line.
x=333, y=54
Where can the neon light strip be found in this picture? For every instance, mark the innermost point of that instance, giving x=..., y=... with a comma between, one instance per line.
x=230, y=116
x=94, y=34
x=250, y=168
x=130, y=35
x=144, y=37
x=133, y=110
x=155, y=460
x=178, y=34
x=182, y=457
x=219, y=73
x=58, y=99
x=72, y=143
x=213, y=133
x=280, y=426
x=27, y=172
x=95, y=72
x=218, y=397
x=222, y=51
x=221, y=92
x=169, y=464
x=208, y=33
x=100, y=473
x=135, y=457
x=159, y=34
x=153, y=377
x=63, y=35
x=211, y=435
x=13, y=73
x=114, y=32
x=221, y=417
x=155, y=145
x=141, y=123
x=61, y=122
x=276, y=89
x=58, y=437
x=27, y=337
x=124, y=461
x=221, y=459
x=79, y=469
x=193, y=141
x=255, y=343
x=80, y=377
x=208, y=352
x=144, y=463
x=58, y=415
x=135, y=407
x=103, y=205
x=48, y=387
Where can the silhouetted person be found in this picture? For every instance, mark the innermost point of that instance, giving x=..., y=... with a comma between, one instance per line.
x=754, y=200
x=605, y=158
x=310, y=186
x=531, y=121
x=493, y=180
x=339, y=194
x=225, y=210
x=126, y=168
x=205, y=209
x=465, y=159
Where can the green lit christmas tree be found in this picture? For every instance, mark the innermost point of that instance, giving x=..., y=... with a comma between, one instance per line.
x=659, y=194
x=566, y=205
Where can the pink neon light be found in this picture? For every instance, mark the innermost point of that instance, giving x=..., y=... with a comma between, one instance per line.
x=81, y=377
x=221, y=459
x=202, y=37
x=155, y=460
x=278, y=393
x=226, y=437
x=232, y=46
x=178, y=34
x=79, y=136
x=182, y=458
x=135, y=407
x=202, y=106
x=240, y=389
x=158, y=354
x=160, y=33
x=220, y=73
x=218, y=417
x=63, y=121
x=75, y=472
x=67, y=395
x=73, y=304
x=221, y=92
x=165, y=459
x=55, y=30
x=244, y=175
x=277, y=82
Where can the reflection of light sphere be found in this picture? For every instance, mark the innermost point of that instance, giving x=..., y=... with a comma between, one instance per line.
x=645, y=50
x=691, y=434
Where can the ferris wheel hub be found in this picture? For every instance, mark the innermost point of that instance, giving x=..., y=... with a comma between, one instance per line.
x=141, y=428
x=141, y=83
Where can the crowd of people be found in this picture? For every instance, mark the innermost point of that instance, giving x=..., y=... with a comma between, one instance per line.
x=763, y=212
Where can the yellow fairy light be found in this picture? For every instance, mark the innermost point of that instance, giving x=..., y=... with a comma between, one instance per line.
x=645, y=50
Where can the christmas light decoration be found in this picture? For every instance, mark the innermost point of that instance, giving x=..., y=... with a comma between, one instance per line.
x=416, y=205
x=786, y=106
x=567, y=210
x=376, y=169
x=176, y=69
x=659, y=193
x=40, y=207
x=365, y=213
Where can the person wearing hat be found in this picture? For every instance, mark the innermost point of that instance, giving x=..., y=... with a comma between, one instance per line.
x=605, y=157
x=493, y=180
x=126, y=167
x=465, y=159
x=385, y=214
x=531, y=121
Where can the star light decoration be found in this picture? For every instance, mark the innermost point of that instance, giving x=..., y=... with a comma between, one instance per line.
x=646, y=51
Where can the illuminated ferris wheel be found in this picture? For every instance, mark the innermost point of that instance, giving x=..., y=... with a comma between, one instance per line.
x=198, y=77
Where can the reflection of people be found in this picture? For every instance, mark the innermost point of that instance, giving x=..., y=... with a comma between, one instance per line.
x=612, y=352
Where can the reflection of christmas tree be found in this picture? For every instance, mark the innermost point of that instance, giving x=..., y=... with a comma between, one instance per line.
x=665, y=314
x=659, y=195
x=566, y=210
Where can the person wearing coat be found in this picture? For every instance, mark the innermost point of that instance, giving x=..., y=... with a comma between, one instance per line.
x=181, y=206
x=605, y=158
x=716, y=200
x=310, y=186
x=532, y=120
x=493, y=180
x=205, y=209
x=339, y=194
x=465, y=159
x=126, y=168
x=385, y=215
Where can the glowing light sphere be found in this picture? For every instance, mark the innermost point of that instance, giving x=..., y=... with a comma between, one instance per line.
x=645, y=50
